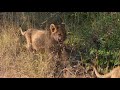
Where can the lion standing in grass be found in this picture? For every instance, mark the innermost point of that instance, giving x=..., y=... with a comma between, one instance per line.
x=115, y=73
x=49, y=39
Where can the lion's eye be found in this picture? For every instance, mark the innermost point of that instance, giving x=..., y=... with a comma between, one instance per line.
x=57, y=27
x=60, y=34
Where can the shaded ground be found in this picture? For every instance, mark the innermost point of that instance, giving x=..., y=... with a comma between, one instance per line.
x=78, y=71
x=17, y=69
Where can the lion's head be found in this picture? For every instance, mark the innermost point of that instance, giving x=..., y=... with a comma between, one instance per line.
x=58, y=32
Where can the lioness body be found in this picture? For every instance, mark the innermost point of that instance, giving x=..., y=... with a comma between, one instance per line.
x=115, y=73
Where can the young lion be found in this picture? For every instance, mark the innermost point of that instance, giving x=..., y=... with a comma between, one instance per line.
x=115, y=73
x=45, y=39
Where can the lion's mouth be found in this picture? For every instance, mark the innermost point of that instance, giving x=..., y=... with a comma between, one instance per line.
x=60, y=41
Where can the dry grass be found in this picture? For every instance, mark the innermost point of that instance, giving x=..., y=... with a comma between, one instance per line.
x=16, y=62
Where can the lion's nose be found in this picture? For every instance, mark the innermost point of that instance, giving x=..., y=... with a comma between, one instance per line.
x=60, y=40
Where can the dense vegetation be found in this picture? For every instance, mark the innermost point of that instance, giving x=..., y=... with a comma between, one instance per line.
x=95, y=35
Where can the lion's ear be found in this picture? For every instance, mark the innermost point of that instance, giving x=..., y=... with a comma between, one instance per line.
x=53, y=28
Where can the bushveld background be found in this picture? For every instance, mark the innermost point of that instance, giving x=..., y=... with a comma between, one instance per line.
x=94, y=35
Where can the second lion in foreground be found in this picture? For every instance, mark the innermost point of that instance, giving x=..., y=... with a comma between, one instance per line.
x=115, y=73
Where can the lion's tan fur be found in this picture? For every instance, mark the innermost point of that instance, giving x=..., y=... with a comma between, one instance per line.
x=41, y=39
x=115, y=73
x=34, y=39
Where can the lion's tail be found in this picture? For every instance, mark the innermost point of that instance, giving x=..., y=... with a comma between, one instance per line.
x=101, y=76
x=23, y=33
